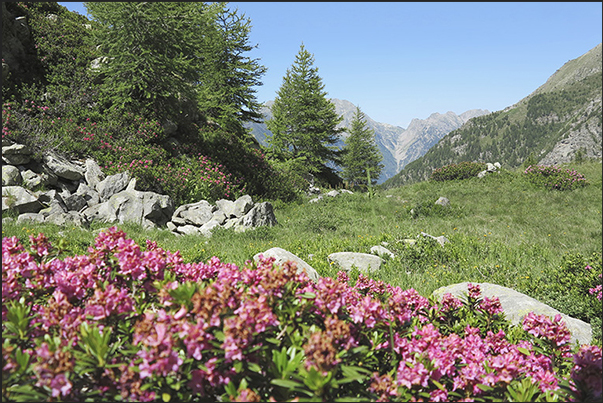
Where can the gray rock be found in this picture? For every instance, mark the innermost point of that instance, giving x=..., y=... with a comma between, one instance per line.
x=206, y=228
x=93, y=175
x=440, y=239
x=242, y=206
x=16, y=154
x=75, y=202
x=347, y=191
x=20, y=199
x=178, y=220
x=227, y=207
x=30, y=217
x=219, y=217
x=171, y=226
x=55, y=207
x=516, y=305
x=112, y=185
x=89, y=194
x=199, y=204
x=70, y=218
x=316, y=199
x=382, y=251
x=63, y=168
x=233, y=222
x=189, y=230
x=261, y=214
x=145, y=208
x=364, y=262
x=31, y=179
x=333, y=193
x=442, y=201
x=11, y=176
x=48, y=196
x=49, y=178
x=198, y=215
x=281, y=256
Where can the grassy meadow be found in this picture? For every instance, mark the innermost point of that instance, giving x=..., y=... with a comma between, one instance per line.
x=502, y=230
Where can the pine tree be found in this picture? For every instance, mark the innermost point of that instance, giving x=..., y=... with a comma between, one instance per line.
x=361, y=153
x=304, y=123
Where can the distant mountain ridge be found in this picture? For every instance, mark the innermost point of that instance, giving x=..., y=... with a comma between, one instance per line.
x=398, y=146
x=559, y=120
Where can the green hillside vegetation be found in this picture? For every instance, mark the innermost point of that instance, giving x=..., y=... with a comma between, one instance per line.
x=176, y=125
x=503, y=229
x=526, y=132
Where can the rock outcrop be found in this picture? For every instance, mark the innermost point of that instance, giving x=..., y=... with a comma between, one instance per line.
x=202, y=217
x=79, y=193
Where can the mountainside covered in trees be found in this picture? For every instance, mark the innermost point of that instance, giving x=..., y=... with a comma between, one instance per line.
x=398, y=146
x=558, y=122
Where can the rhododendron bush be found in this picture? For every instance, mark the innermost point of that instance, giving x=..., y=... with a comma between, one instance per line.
x=138, y=324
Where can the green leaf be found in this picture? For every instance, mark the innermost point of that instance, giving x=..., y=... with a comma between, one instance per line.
x=481, y=386
x=166, y=397
x=285, y=383
x=524, y=351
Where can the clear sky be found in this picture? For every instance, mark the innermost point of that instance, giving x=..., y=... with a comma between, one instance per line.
x=399, y=60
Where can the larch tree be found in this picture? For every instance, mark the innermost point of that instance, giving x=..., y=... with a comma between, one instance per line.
x=167, y=57
x=304, y=122
x=361, y=158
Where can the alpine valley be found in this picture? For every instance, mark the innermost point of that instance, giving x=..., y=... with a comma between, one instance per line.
x=398, y=146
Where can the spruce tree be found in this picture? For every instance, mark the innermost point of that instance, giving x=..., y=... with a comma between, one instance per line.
x=361, y=153
x=304, y=123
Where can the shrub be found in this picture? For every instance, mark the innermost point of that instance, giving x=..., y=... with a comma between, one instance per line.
x=554, y=178
x=128, y=324
x=462, y=170
x=574, y=288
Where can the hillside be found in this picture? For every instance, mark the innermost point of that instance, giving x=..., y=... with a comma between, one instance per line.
x=559, y=121
x=398, y=146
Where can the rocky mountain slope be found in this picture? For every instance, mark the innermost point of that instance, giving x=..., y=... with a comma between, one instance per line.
x=398, y=146
x=557, y=122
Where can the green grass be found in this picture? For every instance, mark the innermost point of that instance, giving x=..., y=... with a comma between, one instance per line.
x=501, y=228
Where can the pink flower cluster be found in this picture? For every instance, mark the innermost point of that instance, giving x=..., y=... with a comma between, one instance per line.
x=202, y=327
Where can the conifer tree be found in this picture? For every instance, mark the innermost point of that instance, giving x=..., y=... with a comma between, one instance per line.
x=361, y=153
x=304, y=123
x=161, y=56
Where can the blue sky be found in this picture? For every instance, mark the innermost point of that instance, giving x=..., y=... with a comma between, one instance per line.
x=399, y=60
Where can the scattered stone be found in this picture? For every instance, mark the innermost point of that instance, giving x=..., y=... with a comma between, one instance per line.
x=364, y=262
x=333, y=193
x=281, y=256
x=442, y=201
x=441, y=239
x=382, y=251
